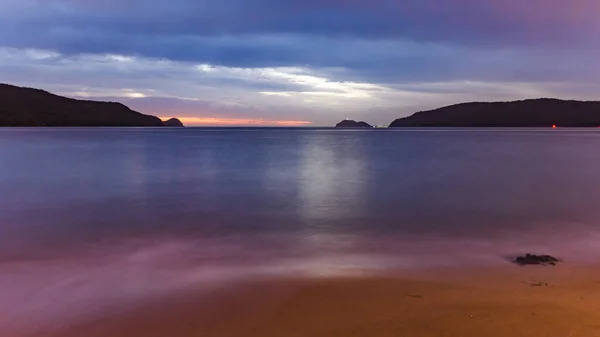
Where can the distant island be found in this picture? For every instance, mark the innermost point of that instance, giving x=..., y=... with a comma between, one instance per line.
x=348, y=123
x=33, y=107
x=173, y=122
x=543, y=112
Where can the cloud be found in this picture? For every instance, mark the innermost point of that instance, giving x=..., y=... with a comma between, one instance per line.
x=491, y=21
x=311, y=60
x=260, y=32
x=170, y=88
x=210, y=93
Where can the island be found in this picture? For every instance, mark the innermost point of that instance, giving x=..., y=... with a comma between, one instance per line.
x=348, y=123
x=543, y=112
x=173, y=122
x=21, y=106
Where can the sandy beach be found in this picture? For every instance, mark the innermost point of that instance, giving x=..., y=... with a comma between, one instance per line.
x=509, y=301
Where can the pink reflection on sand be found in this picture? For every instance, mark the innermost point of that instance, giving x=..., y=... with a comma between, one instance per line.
x=42, y=294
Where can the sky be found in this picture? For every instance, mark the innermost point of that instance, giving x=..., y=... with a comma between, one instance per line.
x=301, y=62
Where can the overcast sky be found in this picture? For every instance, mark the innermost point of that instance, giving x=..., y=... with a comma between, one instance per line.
x=301, y=62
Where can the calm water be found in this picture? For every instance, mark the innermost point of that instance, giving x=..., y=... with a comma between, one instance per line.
x=93, y=218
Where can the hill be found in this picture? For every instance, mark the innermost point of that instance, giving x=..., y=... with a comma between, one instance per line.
x=543, y=112
x=33, y=107
x=173, y=122
x=348, y=123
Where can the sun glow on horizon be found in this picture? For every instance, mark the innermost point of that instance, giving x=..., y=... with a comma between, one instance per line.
x=214, y=121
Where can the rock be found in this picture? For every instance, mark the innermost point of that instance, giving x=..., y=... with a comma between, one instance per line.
x=536, y=259
x=173, y=122
x=348, y=123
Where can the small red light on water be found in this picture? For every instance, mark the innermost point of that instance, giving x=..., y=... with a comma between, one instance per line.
x=554, y=126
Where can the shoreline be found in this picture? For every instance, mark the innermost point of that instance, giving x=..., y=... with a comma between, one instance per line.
x=506, y=301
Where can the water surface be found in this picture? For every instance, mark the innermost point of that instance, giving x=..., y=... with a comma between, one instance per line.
x=93, y=218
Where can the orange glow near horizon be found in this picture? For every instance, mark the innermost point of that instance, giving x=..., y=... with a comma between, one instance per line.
x=213, y=121
x=554, y=126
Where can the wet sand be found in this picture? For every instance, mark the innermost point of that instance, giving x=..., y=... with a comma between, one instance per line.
x=513, y=301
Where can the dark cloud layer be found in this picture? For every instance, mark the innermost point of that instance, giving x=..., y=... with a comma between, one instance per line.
x=214, y=31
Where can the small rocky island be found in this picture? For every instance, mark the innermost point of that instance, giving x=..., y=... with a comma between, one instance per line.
x=173, y=122
x=543, y=112
x=349, y=123
x=33, y=107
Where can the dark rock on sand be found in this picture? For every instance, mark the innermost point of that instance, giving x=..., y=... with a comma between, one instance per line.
x=536, y=259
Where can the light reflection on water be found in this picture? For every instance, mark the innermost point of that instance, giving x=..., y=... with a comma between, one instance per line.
x=93, y=218
x=332, y=178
